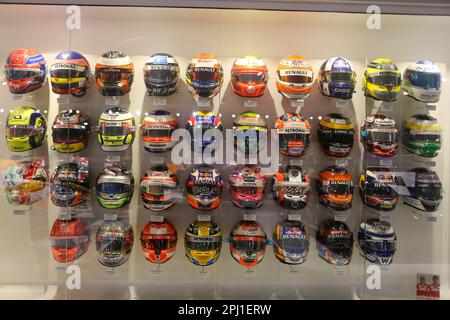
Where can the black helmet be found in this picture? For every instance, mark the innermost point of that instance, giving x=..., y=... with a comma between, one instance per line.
x=335, y=242
x=336, y=134
x=426, y=194
x=161, y=74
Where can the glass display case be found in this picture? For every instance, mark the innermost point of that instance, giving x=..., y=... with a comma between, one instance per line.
x=186, y=153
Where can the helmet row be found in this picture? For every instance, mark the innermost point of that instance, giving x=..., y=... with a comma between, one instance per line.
x=376, y=241
x=116, y=129
x=26, y=71
x=379, y=188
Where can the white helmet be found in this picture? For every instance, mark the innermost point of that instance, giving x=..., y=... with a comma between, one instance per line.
x=422, y=81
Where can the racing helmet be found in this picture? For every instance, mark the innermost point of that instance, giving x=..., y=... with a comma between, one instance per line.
x=382, y=80
x=198, y=124
x=204, y=188
x=25, y=182
x=156, y=131
x=114, y=186
x=70, y=131
x=70, y=74
x=249, y=76
x=422, y=81
x=335, y=188
x=161, y=74
x=291, y=242
x=114, y=241
x=250, y=132
x=116, y=129
x=336, y=133
x=69, y=183
x=422, y=135
x=248, y=243
x=294, y=134
x=295, y=77
x=335, y=242
x=337, y=78
x=204, y=76
x=377, y=241
x=25, y=71
x=158, y=241
x=26, y=129
x=158, y=188
x=203, y=242
x=247, y=186
x=377, y=188
x=379, y=135
x=69, y=239
x=426, y=193
x=291, y=187
x=114, y=73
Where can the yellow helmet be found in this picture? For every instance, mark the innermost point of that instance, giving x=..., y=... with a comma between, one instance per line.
x=203, y=241
x=25, y=129
x=382, y=80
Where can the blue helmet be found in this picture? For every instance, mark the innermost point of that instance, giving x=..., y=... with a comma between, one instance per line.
x=337, y=78
x=377, y=241
x=199, y=124
x=291, y=242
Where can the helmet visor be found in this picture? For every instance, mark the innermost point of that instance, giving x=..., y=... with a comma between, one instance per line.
x=334, y=136
x=205, y=74
x=161, y=76
x=296, y=79
x=248, y=243
x=67, y=242
x=294, y=190
x=340, y=188
x=204, y=245
x=248, y=191
x=21, y=74
x=67, y=134
x=425, y=80
x=386, y=136
x=158, y=190
x=21, y=131
x=159, y=244
x=112, y=245
x=80, y=72
x=109, y=130
x=114, y=188
x=295, y=246
x=149, y=131
x=251, y=77
x=377, y=189
x=388, y=79
x=342, y=76
x=380, y=245
x=429, y=191
x=205, y=191
x=114, y=75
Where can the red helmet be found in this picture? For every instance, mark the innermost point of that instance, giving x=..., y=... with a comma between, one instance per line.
x=248, y=243
x=68, y=239
x=247, y=186
x=159, y=241
x=249, y=76
x=294, y=134
x=25, y=70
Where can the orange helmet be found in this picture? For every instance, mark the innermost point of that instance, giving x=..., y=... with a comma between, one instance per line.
x=114, y=73
x=335, y=188
x=159, y=241
x=249, y=76
x=294, y=134
x=295, y=77
x=68, y=239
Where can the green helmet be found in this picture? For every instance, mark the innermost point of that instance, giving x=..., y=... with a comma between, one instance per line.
x=422, y=135
x=115, y=186
x=250, y=132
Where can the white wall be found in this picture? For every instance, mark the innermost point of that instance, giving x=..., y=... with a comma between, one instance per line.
x=423, y=246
